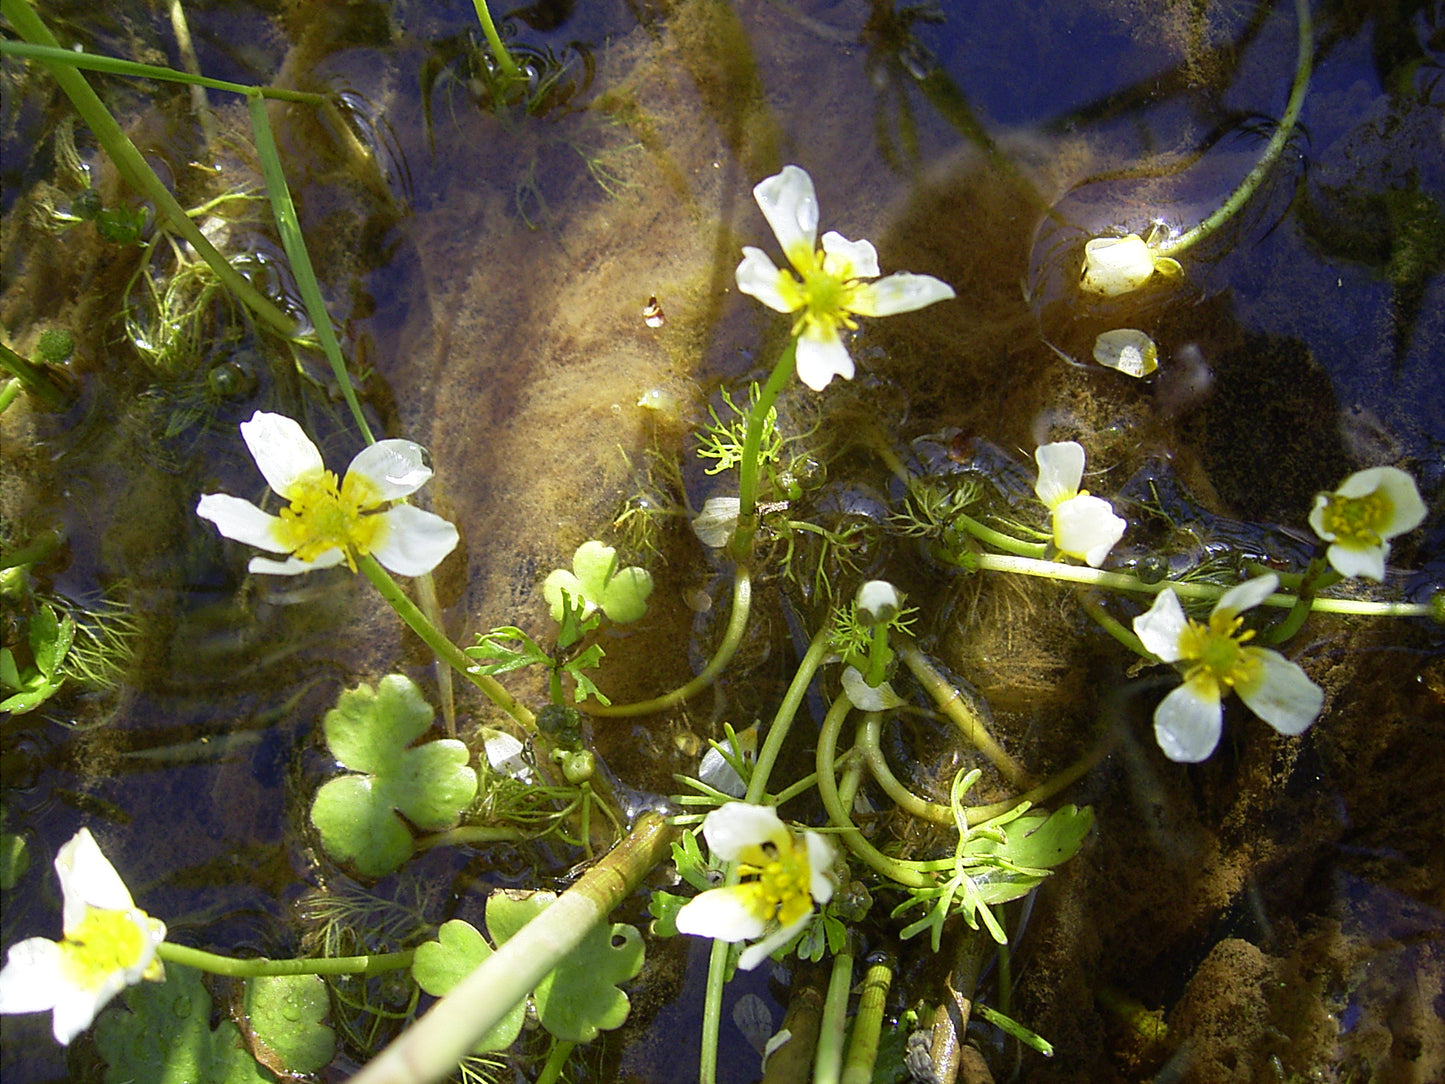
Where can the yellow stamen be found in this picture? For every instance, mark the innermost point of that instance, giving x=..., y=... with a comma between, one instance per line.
x=320, y=517
x=776, y=880
x=1357, y=521
x=1216, y=653
x=105, y=942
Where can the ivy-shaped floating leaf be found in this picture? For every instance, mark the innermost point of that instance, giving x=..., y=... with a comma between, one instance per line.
x=458, y=950
x=369, y=731
x=286, y=1013
x=596, y=583
x=579, y=997
x=163, y=1036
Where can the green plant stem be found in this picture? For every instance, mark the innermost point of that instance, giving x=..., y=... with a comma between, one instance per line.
x=495, y=44
x=732, y=638
x=868, y=1021
x=470, y=834
x=1241, y=195
x=445, y=650
x=172, y=953
x=434, y=1045
x=852, y=838
x=1318, y=575
x=828, y=1060
x=1112, y=625
x=289, y=227
x=38, y=380
x=9, y=393
x=1121, y=581
x=561, y=1051
x=133, y=167
x=1006, y=542
x=951, y=702
x=741, y=546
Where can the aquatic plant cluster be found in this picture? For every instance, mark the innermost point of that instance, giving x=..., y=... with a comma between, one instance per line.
x=796, y=837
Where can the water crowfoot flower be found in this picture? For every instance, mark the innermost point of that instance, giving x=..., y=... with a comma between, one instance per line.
x=1216, y=658
x=784, y=873
x=830, y=286
x=1120, y=265
x=1359, y=519
x=1084, y=527
x=325, y=524
x=108, y=944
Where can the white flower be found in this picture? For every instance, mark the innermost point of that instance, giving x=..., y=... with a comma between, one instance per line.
x=1084, y=527
x=108, y=944
x=324, y=525
x=1359, y=519
x=1120, y=265
x=832, y=289
x=1216, y=659
x=717, y=521
x=877, y=602
x=784, y=873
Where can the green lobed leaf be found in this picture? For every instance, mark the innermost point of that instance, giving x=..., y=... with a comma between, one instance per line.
x=459, y=950
x=287, y=1014
x=162, y=1035
x=579, y=997
x=430, y=784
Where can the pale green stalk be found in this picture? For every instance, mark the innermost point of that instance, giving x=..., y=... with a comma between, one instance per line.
x=828, y=1061
x=732, y=638
x=868, y=1022
x=495, y=44
x=741, y=546
x=434, y=1045
x=1121, y=581
x=1241, y=195
x=374, y=964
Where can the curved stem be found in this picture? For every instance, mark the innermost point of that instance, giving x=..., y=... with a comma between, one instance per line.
x=495, y=44
x=853, y=839
x=1241, y=195
x=172, y=953
x=1122, y=581
x=732, y=637
x=741, y=545
x=445, y=650
x=1006, y=542
x=783, y=718
x=951, y=702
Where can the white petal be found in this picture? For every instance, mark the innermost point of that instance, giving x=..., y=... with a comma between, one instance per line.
x=1187, y=723
x=719, y=913
x=1317, y=517
x=1283, y=695
x=1408, y=510
x=759, y=277
x=756, y=954
x=877, y=601
x=88, y=879
x=730, y=828
x=242, y=521
x=716, y=772
x=1127, y=350
x=880, y=697
x=847, y=259
x=293, y=566
x=1061, y=469
x=1247, y=595
x=75, y=1009
x=1116, y=265
x=281, y=449
x=1367, y=561
x=820, y=865
x=1159, y=627
x=821, y=357
x=504, y=754
x=411, y=541
x=396, y=467
x=715, y=524
x=899, y=292
x=790, y=205
x=1086, y=527
x=31, y=980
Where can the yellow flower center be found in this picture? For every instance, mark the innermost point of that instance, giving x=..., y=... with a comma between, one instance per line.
x=105, y=943
x=1216, y=653
x=822, y=299
x=776, y=880
x=1356, y=522
x=320, y=517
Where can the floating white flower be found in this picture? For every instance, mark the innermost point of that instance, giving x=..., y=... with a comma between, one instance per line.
x=1084, y=527
x=1359, y=519
x=1216, y=659
x=832, y=288
x=784, y=873
x=108, y=944
x=324, y=525
x=1120, y=265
